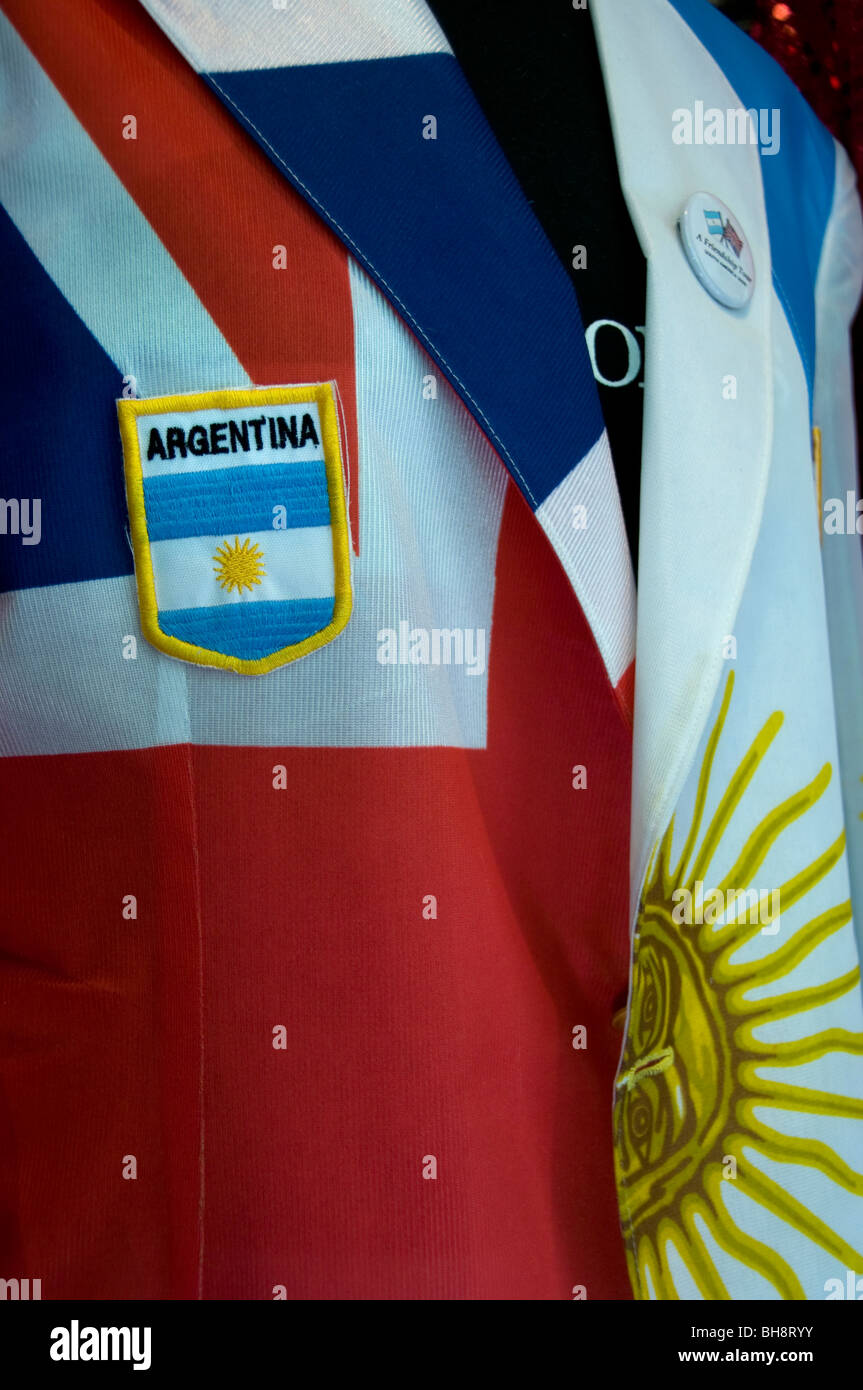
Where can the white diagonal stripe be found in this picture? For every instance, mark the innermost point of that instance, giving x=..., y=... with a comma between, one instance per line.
x=112, y=268
x=596, y=556
x=235, y=35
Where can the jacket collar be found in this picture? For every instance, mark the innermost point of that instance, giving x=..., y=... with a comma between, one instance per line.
x=398, y=159
x=371, y=119
x=708, y=409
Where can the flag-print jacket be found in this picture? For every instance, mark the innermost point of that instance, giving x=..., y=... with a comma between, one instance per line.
x=398, y=901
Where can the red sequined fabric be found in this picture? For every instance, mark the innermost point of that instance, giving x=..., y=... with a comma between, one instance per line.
x=820, y=45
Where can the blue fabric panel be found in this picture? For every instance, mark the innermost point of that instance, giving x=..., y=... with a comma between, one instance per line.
x=444, y=229
x=249, y=630
x=798, y=180
x=64, y=447
x=218, y=500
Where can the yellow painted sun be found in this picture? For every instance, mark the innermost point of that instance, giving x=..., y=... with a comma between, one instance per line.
x=239, y=566
x=690, y=1086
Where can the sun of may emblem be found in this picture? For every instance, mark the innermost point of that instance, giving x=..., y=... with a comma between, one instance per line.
x=239, y=566
x=690, y=1099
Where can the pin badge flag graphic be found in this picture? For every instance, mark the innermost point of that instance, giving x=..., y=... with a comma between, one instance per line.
x=239, y=523
x=726, y=231
x=734, y=239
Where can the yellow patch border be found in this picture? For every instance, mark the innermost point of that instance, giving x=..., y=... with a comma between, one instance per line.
x=129, y=410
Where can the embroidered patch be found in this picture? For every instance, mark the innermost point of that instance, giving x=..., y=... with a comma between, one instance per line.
x=239, y=523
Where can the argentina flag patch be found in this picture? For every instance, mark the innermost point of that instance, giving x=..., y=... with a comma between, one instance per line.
x=239, y=523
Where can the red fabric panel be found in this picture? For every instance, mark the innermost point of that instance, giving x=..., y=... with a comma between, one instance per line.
x=625, y=692
x=100, y=1043
x=406, y=1037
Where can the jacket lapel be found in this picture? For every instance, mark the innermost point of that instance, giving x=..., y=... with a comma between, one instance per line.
x=708, y=410
x=372, y=121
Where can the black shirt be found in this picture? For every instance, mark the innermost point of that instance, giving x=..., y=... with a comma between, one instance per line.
x=535, y=70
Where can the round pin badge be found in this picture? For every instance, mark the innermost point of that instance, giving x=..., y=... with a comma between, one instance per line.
x=717, y=249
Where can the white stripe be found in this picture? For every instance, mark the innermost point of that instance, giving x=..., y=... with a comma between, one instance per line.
x=192, y=463
x=704, y=458
x=596, y=556
x=298, y=563
x=431, y=500
x=234, y=35
x=94, y=242
x=71, y=680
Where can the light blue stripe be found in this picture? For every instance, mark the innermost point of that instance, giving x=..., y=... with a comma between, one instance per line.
x=220, y=500
x=249, y=630
x=798, y=180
